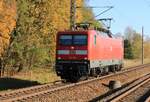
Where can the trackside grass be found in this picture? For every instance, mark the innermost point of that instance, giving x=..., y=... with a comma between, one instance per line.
x=134, y=62
x=45, y=75
x=41, y=75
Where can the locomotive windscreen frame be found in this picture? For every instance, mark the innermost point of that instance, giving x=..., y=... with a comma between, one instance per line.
x=70, y=39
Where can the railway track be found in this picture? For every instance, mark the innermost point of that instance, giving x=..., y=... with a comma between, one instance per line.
x=13, y=95
x=131, y=92
x=148, y=99
x=139, y=93
x=75, y=90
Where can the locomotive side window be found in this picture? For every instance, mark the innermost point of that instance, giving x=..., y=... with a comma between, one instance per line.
x=80, y=40
x=94, y=39
x=65, y=40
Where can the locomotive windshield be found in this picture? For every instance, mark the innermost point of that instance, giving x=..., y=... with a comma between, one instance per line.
x=65, y=40
x=73, y=40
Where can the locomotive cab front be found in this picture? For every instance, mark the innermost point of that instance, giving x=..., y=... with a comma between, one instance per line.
x=72, y=55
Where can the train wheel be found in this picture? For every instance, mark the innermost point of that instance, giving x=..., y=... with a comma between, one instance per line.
x=98, y=71
x=72, y=79
x=112, y=69
x=121, y=66
x=93, y=72
x=106, y=70
x=117, y=67
x=73, y=76
x=84, y=77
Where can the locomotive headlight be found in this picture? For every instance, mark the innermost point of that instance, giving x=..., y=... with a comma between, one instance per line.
x=72, y=47
x=59, y=57
x=85, y=58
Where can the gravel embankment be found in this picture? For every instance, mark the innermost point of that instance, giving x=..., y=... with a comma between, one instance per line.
x=139, y=95
x=86, y=92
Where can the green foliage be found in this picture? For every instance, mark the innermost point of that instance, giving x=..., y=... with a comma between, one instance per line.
x=34, y=32
x=147, y=49
x=7, y=24
x=88, y=15
x=137, y=45
x=128, y=53
x=133, y=43
x=38, y=21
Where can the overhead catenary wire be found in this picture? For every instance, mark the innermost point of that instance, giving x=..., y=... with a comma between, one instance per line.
x=104, y=11
x=73, y=12
x=94, y=7
x=108, y=8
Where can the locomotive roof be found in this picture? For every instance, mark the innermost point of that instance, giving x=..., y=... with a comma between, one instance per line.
x=102, y=33
x=74, y=32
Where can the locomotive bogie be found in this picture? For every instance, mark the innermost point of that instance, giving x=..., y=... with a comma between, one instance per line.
x=72, y=70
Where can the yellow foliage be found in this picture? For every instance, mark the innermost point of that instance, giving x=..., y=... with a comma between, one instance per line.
x=37, y=25
x=147, y=49
x=60, y=13
x=79, y=15
x=7, y=21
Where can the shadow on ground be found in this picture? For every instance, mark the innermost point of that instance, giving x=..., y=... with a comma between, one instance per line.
x=12, y=83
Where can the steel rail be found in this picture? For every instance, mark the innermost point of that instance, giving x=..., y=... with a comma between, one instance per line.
x=148, y=99
x=30, y=90
x=130, y=90
x=42, y=92
x=119, y=93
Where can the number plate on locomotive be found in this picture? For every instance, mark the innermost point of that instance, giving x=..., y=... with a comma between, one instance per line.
x=72, y=52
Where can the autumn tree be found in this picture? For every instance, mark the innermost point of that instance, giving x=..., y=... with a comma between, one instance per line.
x=135, y=40
x=7, y=24
x=128, y=52
x=137, y=45
x=147, y=47
x=37, y=25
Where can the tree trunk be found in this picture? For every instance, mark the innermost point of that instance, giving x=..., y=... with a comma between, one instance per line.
x=0, y=68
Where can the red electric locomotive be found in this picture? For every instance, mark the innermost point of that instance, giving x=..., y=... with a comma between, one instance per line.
x=84, y=53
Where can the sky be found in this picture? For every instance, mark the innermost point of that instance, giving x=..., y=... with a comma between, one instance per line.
x=126, y=13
